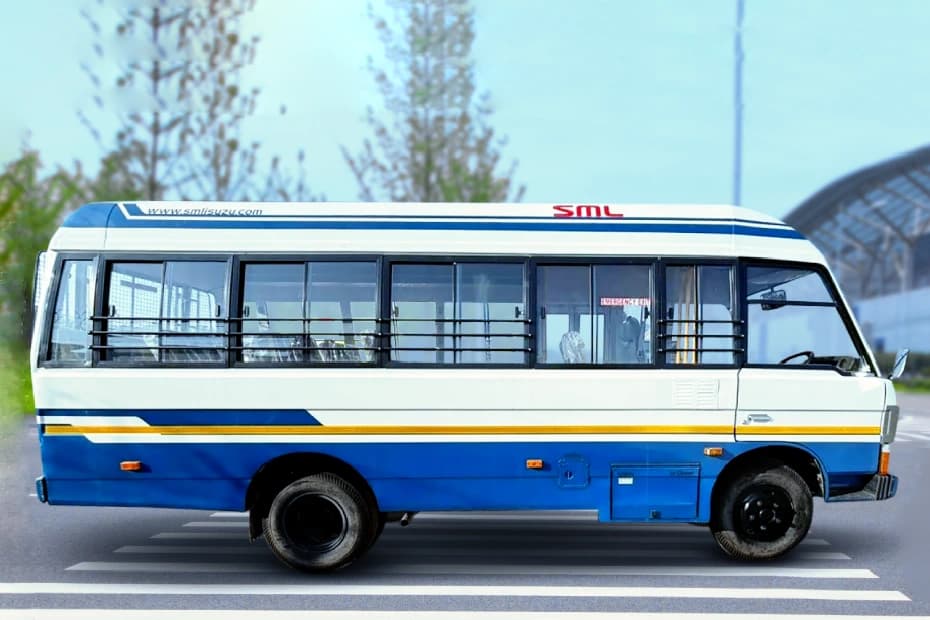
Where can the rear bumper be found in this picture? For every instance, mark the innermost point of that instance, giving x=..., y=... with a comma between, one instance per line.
x=879, y=487
x=41, y=489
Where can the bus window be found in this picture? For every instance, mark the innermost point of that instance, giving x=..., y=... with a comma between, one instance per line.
x=594, y=314
x=490, y=313
x=194, y=296
x=622, y=306
x=342, y=308
x=272, y=313
x=564, y=314
x=166, y=312
x=700, y=325
x=422, y=303
x=791, y=311
x=71, y=324
x=133, y=302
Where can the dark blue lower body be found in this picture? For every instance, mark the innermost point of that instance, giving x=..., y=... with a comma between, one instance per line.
x=654, y=481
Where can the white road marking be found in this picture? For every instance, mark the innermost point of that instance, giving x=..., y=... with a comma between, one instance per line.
x=199, y=614
x=238, y=524
x=500, y=569
x=606, y=538
x=407, y=551
x=454, y=590
x=225, y=513
x=199, y=536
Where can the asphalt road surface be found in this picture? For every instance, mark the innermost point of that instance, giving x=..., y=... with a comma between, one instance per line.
x=80, y=562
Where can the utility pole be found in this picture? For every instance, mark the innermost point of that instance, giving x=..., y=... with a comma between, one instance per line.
x=738, y=104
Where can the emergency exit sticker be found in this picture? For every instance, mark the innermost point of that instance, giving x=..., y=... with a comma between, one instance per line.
x=624, y=301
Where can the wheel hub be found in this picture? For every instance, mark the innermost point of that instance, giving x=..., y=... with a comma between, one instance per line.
x=764, y=513
x=315, y=523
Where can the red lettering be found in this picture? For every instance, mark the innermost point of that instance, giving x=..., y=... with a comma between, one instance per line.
x=583, y=211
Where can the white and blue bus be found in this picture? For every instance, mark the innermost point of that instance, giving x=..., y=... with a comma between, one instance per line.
x=328, y=367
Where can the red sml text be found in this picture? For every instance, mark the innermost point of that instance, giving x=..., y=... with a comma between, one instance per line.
x=583, y=211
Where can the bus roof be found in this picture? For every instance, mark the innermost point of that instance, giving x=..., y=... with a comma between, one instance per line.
x=434, y=228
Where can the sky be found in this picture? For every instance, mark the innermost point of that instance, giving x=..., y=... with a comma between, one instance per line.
x=607, y=101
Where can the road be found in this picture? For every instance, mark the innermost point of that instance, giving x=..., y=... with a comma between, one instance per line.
x=859, y=559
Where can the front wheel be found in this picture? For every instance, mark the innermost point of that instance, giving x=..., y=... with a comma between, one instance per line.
x=762, y=514
x=319, y=523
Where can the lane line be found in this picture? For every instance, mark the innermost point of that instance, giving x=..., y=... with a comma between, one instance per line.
x=512, y=554
x=454, y=590
x=412, y=537
x=500, y=569
x=198, y=614
x=199, y=536
x=395, y=538
x=227, y=513
x=236, y=524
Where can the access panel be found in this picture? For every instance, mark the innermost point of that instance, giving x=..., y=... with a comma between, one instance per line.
x=667, y=492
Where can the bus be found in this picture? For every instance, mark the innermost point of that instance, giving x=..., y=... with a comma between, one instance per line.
x=329, y=367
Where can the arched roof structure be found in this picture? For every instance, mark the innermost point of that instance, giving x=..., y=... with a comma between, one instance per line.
x=873, y=225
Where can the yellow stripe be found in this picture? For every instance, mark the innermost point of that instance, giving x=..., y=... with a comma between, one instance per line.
x=391, y=430
x=808, y=430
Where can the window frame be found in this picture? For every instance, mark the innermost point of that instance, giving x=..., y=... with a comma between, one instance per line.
x=838, y=303
x=102, y=293
x=51, y=299
x=414, y=259
x=237, y=289
x=591, y=262
x=739, y=356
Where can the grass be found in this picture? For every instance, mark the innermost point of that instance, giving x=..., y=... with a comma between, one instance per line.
x=919, y=385
x=15, y=386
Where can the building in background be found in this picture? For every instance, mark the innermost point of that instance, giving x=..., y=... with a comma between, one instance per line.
x=873, y=225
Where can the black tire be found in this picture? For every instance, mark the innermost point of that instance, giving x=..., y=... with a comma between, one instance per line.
x=762, y=514
x=376, y=531
x=319, y=523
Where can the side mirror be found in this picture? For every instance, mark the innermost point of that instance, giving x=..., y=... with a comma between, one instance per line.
x=900, y=361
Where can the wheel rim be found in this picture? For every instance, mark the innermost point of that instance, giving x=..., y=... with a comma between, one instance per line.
x=315, y=523
x=764, y=513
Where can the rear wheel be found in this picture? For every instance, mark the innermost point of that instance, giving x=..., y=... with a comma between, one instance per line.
x=762, y=514
x=319, y=523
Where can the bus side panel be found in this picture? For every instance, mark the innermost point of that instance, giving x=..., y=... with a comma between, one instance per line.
x=425, y=476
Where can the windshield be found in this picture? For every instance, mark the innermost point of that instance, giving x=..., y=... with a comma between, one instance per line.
x=793, y=319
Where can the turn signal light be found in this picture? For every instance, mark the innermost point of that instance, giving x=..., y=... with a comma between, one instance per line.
x=130, y=466
x=534, y=463
x=715, y=451
x=883, y=462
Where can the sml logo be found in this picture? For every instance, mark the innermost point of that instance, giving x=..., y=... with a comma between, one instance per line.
x=583, y=211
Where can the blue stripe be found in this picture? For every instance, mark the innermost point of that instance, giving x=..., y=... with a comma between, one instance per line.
x=199, y=417
x=115, y=219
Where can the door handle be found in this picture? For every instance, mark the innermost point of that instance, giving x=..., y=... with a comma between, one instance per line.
x=757, y=417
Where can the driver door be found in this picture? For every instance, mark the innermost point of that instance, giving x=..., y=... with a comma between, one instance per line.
x=795, y=384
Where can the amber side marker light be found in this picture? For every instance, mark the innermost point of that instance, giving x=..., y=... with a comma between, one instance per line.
x=534, y=463
x=713, y=451
x=130, y=465
x=883, y=462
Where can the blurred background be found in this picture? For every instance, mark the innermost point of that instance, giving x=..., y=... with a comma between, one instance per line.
x=811, y=112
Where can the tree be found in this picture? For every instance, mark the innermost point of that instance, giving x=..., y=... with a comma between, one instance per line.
x=181, y=104
x=31, y=206
x=438, y=144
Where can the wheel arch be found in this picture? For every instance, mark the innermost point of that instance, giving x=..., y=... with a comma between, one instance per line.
x=282, y=470
x=798, y=458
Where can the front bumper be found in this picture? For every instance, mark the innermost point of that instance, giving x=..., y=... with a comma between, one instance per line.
x=879, y=487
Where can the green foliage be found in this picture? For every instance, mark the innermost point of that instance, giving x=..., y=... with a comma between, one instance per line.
x=438, y=145
x=31, y=205
x=15, y=387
